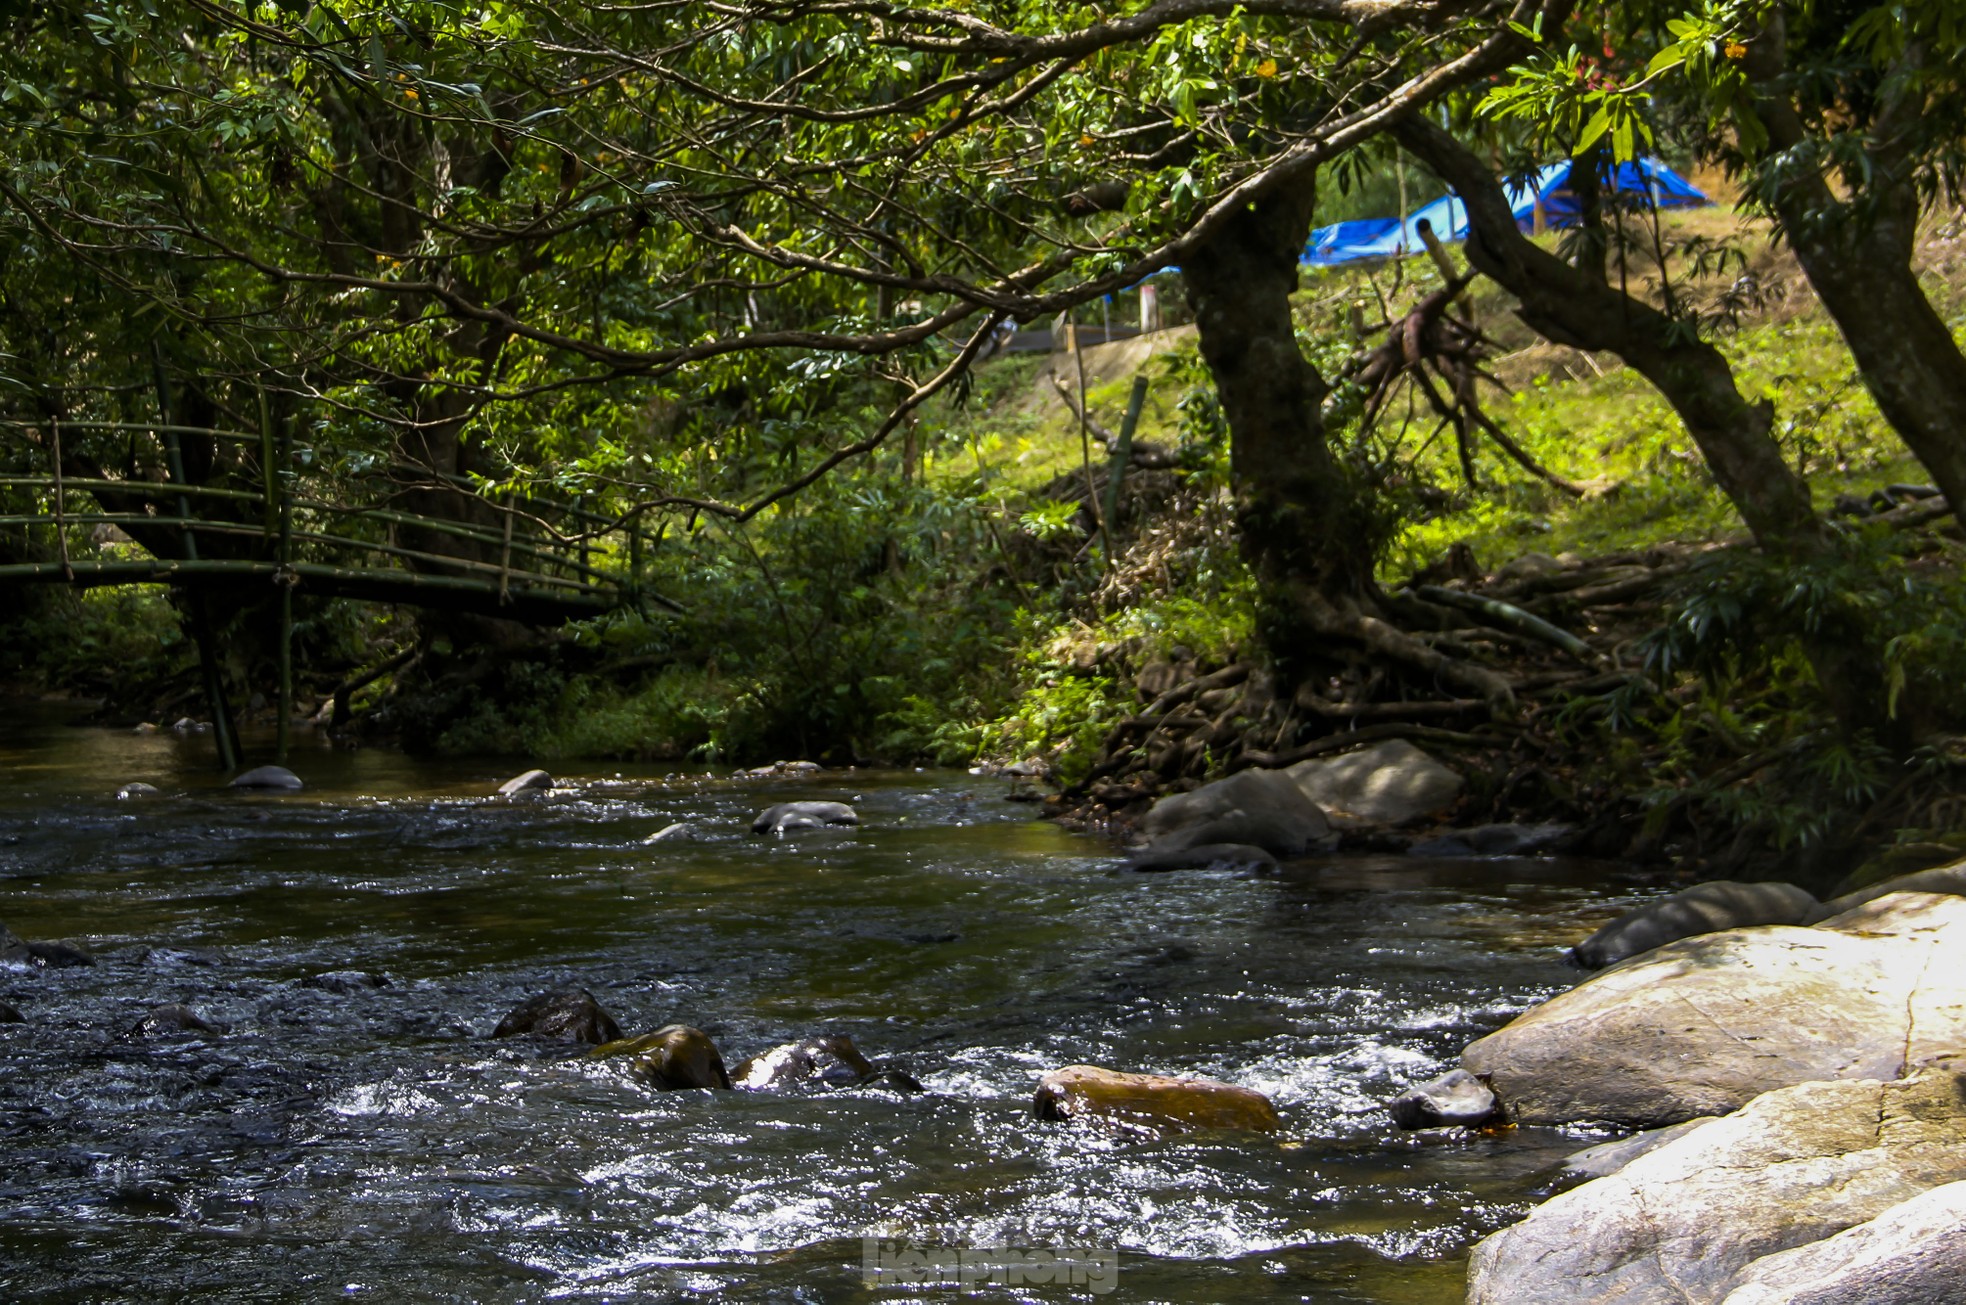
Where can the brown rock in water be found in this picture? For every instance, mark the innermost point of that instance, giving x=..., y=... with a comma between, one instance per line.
x=825, y=1062
x=570, y=1014
x=672, y=1057
x=8, y=1015
x=1157, y=1102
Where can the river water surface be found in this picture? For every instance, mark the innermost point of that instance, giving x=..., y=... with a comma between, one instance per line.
x=378, y=1144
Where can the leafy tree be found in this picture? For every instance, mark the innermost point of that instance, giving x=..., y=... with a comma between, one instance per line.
x=652, y=252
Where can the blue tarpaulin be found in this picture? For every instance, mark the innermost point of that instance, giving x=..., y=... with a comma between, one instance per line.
x=1348, y=242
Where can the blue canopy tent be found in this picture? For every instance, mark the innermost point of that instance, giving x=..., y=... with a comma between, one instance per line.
x=1644, y=181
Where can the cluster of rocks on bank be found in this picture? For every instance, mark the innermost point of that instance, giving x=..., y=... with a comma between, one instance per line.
x=1391, y=793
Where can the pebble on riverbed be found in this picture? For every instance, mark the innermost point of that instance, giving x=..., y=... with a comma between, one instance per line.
x=569, y=1014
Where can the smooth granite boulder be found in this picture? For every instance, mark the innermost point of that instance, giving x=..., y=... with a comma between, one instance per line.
x=1912, y=1254
x=1704, y=1025
x=1679, y=1225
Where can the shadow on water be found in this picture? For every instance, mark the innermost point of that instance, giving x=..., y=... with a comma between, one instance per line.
x=376, y=1143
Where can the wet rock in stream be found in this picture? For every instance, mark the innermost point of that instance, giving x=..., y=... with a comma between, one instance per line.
x=569, y=1014
x=1150, y=1102
x=530, y=781
x=673, y=1057
x=787, y=816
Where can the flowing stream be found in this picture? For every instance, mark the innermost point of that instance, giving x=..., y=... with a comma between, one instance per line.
x=379, y=1144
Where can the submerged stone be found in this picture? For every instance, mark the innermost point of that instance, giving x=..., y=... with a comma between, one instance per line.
x=269, y=777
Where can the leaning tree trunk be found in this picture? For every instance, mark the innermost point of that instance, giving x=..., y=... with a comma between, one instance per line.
x=1859, y=263
x=1570, y=306
x=1306, y=522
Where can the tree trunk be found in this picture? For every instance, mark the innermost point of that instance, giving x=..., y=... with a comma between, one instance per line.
x=1859, y=262
x=1308, y=525
x=1300, y=516
x=1570, y=306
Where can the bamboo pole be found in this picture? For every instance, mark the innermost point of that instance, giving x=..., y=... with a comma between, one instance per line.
x=1123, y=451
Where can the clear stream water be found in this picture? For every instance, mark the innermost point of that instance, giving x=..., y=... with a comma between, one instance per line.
x=379, y=1144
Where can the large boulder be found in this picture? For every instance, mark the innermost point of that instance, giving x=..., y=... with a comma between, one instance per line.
x=1150, y=1102
x=1703, y=1025
x=1703, y=908
x=1939, y=879
x=1390, y=783
x=1676, y=1226
x=672, y=1058
x=569, y=1014
x=1912, y=1254
x=787, y=816
x=1258, y=808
